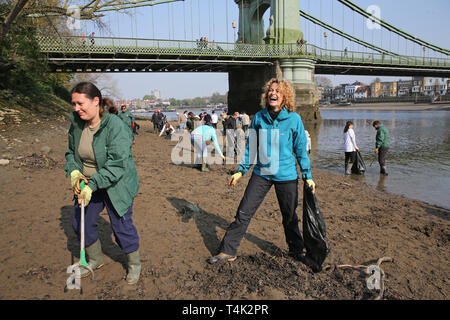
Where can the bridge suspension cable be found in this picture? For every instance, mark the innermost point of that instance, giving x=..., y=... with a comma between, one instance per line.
x=345, y=35
x=392, y=28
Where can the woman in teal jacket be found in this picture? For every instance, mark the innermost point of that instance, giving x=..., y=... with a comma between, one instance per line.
x=276, y=143
x=99, y=153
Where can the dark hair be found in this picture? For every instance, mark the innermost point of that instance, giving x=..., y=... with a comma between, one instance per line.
x=347, y=125
x=376, y=122
x=91, y=91
x=109, y=104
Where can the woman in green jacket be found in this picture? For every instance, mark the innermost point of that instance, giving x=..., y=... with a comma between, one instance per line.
x=99, y=153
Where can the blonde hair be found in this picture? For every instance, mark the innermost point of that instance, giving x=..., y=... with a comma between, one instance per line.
x=287, y=91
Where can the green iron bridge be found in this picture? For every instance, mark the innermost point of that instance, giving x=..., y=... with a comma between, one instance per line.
x=107, y=54
x=280, y=49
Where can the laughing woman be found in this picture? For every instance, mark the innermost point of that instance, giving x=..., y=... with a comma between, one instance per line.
x=99, y=153
x=276, y=164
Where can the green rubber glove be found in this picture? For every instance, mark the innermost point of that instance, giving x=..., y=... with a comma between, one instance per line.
x=311, y=184
x=234, y=178
x=85, y=194
x=75, y=176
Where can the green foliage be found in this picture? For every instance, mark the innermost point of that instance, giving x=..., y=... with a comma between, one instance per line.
x=23, y=77
x=149, y=97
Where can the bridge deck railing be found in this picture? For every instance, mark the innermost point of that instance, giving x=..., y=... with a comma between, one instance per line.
x=113, y=46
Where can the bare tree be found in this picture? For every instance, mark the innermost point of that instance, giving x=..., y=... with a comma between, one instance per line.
x=104, y=82
x=89, y=9
x=322, y=81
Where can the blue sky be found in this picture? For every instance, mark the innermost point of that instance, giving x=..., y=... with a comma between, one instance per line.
x=192, y=19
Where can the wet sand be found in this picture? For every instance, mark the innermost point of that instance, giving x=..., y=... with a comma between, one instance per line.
x=181, y=215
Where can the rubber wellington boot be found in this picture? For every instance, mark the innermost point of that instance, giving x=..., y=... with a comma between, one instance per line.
x=204, y=166
x=134, y=267
x=94, y=252
x=383, y=170
x=348, y=168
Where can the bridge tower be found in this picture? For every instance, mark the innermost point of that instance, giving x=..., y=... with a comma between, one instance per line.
x=245, y=84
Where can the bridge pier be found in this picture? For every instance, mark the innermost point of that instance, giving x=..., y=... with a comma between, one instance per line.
x=300, y=72
x=246, y=86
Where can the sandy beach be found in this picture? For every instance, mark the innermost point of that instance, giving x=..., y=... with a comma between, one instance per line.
x=181, y=215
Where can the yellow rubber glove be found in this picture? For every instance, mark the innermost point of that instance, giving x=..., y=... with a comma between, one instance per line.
x=85, y=195
x=75, y=176
x=376, y=150
x=311, y=184
x=234, y=178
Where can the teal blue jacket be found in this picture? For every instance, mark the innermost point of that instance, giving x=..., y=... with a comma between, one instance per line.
x=113, y=153
x=276, y=146
x=382, y=139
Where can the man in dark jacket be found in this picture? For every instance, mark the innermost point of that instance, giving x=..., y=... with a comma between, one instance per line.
x=229, y=128
x=381, y=145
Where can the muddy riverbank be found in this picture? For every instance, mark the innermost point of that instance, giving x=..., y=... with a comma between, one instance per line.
x=181, y=215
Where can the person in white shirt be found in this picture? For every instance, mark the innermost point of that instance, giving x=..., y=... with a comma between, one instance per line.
x=308, y=141
x=214, y=119
x=168, y=129
x=350, y=147
x=245, y=121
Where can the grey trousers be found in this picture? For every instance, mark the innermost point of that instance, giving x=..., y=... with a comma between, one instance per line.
x=257, y=188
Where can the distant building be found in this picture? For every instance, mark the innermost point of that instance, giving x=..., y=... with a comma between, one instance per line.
x=388, y=89
x=351, y=89
x=434, y=86
x=157, y=94
x=375, y=89
x=404, y=88
x=339, y=92
x=327, y=93
x=362, y=92
x=417, y=86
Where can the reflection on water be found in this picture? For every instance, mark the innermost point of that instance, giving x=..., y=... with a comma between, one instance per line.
x=418, y=161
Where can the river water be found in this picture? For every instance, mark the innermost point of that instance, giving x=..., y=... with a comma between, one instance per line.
x=418, y=160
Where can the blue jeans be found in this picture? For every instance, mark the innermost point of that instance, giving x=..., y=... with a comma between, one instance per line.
x=124, y=231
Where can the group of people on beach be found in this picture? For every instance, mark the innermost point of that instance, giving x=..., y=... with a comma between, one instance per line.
x=100, y=154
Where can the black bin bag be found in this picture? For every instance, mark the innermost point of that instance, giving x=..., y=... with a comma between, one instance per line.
x=359, y=167
x=314, y=232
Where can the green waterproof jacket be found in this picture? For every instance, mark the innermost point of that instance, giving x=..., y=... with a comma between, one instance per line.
x=112, y=146
x=382, y=139
x=127, y=117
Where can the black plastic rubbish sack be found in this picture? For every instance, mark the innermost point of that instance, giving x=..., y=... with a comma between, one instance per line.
x=314, y=232
x=359, y=167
